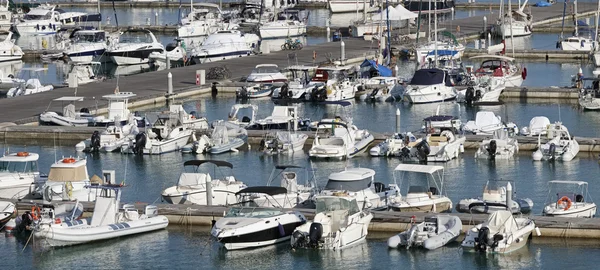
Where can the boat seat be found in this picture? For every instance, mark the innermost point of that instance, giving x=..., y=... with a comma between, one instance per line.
x=438, y=139
x=413, y=144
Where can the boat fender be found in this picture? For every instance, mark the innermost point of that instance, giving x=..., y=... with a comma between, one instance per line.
x=566, y=201
x=524, y=73
x=492, y=149
x=281, y=230
x=315, y=233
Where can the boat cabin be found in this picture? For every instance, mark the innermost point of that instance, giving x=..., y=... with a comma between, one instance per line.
x=21, y=163
x=88, y=36
x=117, y=105
x=429, y=185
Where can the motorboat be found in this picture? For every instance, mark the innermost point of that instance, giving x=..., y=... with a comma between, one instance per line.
x=68, y=180
x=421, y=194
x=501, y=146
x=339, y=223
x=118, y=110
x=220, y=142
x=514, y=23
x=19, y=175
x=430, y=85
x=343, y=6
x=167, y=134
x=561, y=146
x=225, y=44
x=44, y=215
x=198, y=187
x=441, y=141
x=69, y=116
x=297, y=195
x=241, y=115
x=381, y=89
x=189, y=120
x=108, y=221
x=6, y=17
x=287, y=24
x=87, y=46
x=537, y=125
x=7, y=211
x=497, y=195
x=9, y=51
x=434, y=232
x=283, y=142
x=392, y=145
x=589, y=97
x=332, y=83
x=266, y=73
x=174, y=52
x=134, y=47
x=203, y=20
x=486, y=123
x=485, y=89
x=41, y=20
x=32, y=85
x=8, y=70
x=297, y=87
x=109, y=140
x=500, y=233
x=247, y=225
x=360, y=183
x=427, y=7
x=281, y=118
x=569, y=199
x=503, y=67
x=345, y=141
x=425, y=51
x=258, y=90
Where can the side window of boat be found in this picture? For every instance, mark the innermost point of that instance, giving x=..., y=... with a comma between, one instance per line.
x=3, y=166
x=32, y=166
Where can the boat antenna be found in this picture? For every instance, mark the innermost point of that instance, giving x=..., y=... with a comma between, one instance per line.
x=115, y=12
x=125, y=173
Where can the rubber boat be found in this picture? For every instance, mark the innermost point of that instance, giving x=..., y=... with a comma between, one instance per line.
x=496, y=192
x=434, y=232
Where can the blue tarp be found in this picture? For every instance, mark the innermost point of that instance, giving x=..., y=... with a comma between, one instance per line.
x=443, y=52
x=368, y=67
x=542, y=4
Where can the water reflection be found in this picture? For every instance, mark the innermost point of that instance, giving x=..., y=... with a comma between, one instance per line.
x=521, y=258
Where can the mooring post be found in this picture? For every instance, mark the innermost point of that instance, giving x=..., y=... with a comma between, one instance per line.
x=398, y=120
x=169, y=88
x=343, y=51
x=208, y=191
x=156, y=18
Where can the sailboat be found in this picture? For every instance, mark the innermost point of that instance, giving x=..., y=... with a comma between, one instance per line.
x=514, y=23
x=576, y=42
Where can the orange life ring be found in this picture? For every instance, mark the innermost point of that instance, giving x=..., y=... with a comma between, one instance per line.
x=22, y=154
x=68, y=160
x=566, y=200
x=35, y=212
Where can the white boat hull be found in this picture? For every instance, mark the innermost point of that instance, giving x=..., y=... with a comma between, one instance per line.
x=519, y=29
x=282, y=31
x=430, y=94
x=350, y=6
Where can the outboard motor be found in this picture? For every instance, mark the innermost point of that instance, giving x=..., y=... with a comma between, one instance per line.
x=95, y=141
x=242, y=92
x=492, y=149
x=552, y=150
x=374, y=93
x=405, y=153
x=470, y=95
x=481, y=240
x=213, y=89
x=262, y=145
x=84, y=110
x=284, y=92
x=423, y=151
x=140, y=142
x=298, y=239
x=25, y=222
x=315, y=233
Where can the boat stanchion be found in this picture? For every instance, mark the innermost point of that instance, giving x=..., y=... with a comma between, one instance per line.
x=209, y=191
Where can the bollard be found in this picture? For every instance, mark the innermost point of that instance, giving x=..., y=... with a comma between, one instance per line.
x=398, y=121
x=509, y=193
x=396, y=71
x=168, y=60
x=452, y=12
x=489, y=39
x=208, y=191
x=156, y=18
x=343, y=51
x=484, y=23
x=328, y=34
x=200, y=77
x=170, y=86
x=107, y=20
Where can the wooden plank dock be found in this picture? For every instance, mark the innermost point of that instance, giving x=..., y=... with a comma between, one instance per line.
x=24, y=109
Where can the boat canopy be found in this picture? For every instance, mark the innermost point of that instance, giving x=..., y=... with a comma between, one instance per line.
x=501, y=222
x=493, y=56
x=68, y=174
x=567, y=182
x=439, y=118
x=430, y=169
x=428, y=77
x=218, y=163
x=264, y=190
x=353, y=180
x=370, y=68
x=320, y=124
x=69, y=99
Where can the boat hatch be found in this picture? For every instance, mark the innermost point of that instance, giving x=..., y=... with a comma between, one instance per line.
x=119, y=226
x=74, y=222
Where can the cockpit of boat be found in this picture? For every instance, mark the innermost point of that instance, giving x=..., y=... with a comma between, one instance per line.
x=328, y=204
x=18, y=166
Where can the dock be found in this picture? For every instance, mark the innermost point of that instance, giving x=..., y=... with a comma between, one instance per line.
x=383, y=221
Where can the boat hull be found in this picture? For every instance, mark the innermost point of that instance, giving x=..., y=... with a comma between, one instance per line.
x=132, y=57
x=440, y=207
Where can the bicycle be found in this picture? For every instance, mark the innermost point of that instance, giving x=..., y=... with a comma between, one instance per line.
x=292, y=44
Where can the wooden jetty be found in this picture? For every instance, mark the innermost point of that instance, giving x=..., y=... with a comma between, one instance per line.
x=390, y=222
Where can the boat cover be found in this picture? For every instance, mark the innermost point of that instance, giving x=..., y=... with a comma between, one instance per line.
x=428, y=77
x=369, y=67
x=538, y=124
x=486, y=119
x=501, y=222
x=69, y=111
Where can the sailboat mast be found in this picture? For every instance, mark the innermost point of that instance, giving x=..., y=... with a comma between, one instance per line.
x=597, y=17
x=512, y=37
x=429, y=22
x=575, y=18
x=435, y=32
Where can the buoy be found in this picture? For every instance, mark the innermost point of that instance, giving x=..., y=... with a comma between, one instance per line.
x=68, y=160
x=22, y=154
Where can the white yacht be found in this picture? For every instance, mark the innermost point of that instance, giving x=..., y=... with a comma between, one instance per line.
x=287, y=24
x=225, y=44
x=68, y=180
x=283, y=142
x=500, y=233
x=111, y=139
x=203, y=20
x=569, y=199
x=167, y=134
x=108, y=220
x=297, y=87
x=496, y=195
x=561, y=145
x=345, y=141
x=264, y=73
x=537, y=125
x=514, y=23
x=87, y=46
x=41, y=20
x=28, y=85
x=134, y=47
x=331, y=83
x=430, y=85
x=343, y=6
x=197, y=186
x=339, y=223
x=19, y=175
x=6, y=17
x=503, y=67
x=175, y=52
x=69, y=116
x=248, y=225
x=421, y=195
x=8, y=50
x=487, y=89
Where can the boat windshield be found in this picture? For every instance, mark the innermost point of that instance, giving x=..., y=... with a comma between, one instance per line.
x=252, y=212
x=18, y=167
x=89, y=37
x=35, y=17
x=353, y=186
x=333, y=204
x=129, y=37
x=266, y=69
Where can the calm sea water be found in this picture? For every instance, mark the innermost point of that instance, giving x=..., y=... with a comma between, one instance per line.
x=177, y=246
